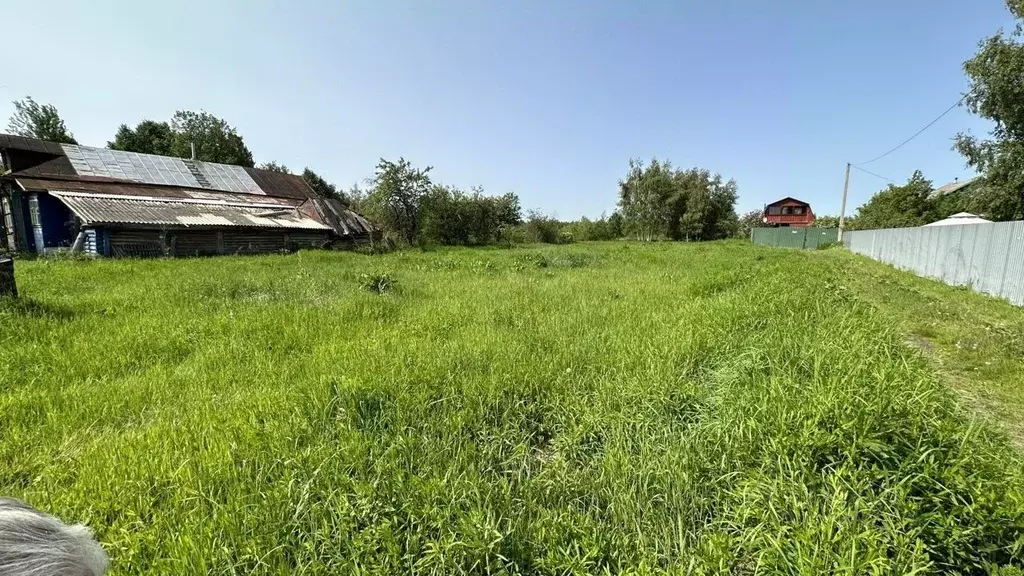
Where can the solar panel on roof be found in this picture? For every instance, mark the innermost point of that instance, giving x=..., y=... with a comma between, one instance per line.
x=122, y=165
x=163, y=170
x=227, y=177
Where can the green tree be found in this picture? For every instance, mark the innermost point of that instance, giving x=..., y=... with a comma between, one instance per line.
x=355, y=196
x=148, y=137
x=898, y=206
x=585, y=229
x=582, y=230
x=616, y=226
x=717, y=204
x=321, y=186
x=993, y=201
x=658, y=201
x=749, y=221
x=648, y=199
x=34, y=120
x=543, y=229
x=395, y=202
x=509, y=211
x=996, y=94
x=450, y=216
x=275, y=167
x=444, y=216
x=215, y=140
x=826, y=221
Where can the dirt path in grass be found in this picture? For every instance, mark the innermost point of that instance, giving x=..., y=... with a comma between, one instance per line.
x=976, y=342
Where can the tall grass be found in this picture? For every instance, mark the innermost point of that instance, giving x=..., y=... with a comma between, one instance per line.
x=613, y=408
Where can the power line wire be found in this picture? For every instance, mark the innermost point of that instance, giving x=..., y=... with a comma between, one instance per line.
x=918, y=133
x=873, y=174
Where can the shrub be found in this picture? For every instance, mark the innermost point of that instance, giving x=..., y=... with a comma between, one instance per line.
x=377, y=283
x=543, y=229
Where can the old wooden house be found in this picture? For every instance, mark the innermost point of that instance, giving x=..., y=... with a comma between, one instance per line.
x=113, y=203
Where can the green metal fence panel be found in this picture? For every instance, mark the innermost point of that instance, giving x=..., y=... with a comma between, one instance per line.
x=794, y=237
x=819, y=236
x=765, y=236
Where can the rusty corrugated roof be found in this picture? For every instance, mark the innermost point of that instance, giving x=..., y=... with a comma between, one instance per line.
x=345, y=222
x=287, y=185
x=120, y=210
x=952, y=187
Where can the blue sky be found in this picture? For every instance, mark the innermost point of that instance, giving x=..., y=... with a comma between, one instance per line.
x=547, y=99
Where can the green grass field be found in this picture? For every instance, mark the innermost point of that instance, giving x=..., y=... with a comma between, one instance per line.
x=609, y=408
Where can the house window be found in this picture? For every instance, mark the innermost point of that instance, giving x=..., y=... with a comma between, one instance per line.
x=798, y=210
x=787, y=210
x=774, y=210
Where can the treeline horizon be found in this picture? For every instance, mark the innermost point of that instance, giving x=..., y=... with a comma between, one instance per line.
x=656, y=201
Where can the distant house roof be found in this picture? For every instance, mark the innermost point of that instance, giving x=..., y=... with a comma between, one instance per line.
x=959, y=219
x=789, y=199
x=952, y=187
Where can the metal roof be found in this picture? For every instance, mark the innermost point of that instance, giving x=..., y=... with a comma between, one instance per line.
x=101, y=186
x=96, y=209
x=952, y=187
x=30, y=144
x=344, y=221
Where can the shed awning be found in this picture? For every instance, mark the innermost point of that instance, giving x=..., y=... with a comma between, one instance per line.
x=96, y=209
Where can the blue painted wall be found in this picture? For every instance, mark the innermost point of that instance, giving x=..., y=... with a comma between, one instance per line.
x=57, y=220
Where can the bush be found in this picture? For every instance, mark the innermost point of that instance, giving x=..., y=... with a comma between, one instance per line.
x=543, y=229
x=377, y=283
x=382, y=246
x=509, y=236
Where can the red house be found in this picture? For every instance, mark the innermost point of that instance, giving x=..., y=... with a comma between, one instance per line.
x=788, y=212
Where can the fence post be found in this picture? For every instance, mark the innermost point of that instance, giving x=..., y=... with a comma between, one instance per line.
x=7, y=285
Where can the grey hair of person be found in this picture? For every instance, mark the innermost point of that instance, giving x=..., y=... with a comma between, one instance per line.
x=33, y=543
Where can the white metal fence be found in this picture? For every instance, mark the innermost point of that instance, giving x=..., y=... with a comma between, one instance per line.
x=987, y=257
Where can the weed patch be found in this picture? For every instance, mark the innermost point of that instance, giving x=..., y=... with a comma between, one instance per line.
x=380, y=283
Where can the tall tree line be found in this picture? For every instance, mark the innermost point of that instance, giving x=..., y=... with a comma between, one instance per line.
x=416, y=210
x=656, y=200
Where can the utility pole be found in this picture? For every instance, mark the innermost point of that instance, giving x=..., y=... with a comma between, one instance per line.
x=842, y=207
